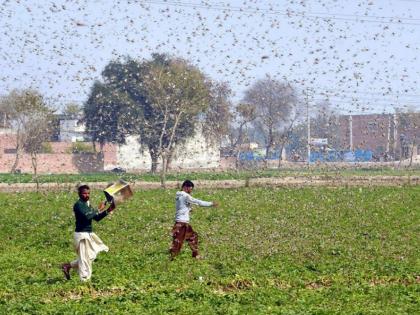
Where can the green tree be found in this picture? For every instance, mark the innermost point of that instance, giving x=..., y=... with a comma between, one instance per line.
x=176, y=93
x=72, y=110
x=160, y=100
x=105, y=114
x=128, y=77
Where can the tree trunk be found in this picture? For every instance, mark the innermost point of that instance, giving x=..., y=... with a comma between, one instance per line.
x=16, y=162
x=237, y=165
x=155, y=160
x=280, y=155
x=34, y=161
x=18, y=151
x=265, y=160
x=168, y=161
x=163, y=170
x=269, y=143
x=155, y=163
x=268, y=149
x=412, y=153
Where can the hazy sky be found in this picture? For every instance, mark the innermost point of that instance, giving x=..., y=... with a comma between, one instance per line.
x=362, y=55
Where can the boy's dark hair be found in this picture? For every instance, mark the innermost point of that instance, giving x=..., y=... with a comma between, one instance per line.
x=187, y=183
x=82, y=187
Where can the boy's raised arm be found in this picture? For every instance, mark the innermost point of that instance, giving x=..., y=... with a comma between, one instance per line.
x=201, y=203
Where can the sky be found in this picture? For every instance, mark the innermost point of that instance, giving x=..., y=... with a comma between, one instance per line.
x=361, y=56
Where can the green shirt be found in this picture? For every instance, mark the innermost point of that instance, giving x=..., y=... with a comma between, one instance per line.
x=84, y=215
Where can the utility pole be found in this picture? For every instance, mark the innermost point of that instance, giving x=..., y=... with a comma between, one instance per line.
x=309, y=127
x=388, y=142
x=351, y=132
x=395, y=135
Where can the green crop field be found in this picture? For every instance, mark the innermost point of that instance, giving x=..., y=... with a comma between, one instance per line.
x=267, y=251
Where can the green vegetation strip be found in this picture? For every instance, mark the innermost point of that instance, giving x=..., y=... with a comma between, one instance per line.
x=209, y=175
x=267, y=251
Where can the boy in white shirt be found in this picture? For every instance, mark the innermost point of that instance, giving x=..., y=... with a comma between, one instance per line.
x=182, y=230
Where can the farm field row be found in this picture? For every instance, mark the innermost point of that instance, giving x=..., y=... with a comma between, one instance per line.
x=209, y=175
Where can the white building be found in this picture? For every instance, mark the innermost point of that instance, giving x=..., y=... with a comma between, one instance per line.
x=196, y=153
x=72, y=130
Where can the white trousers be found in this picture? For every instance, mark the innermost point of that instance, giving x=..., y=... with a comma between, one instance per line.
x=87, y=246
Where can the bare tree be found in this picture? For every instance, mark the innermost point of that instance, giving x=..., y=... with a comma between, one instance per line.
x=409, y=123
x=244, y=114
x=6, y=111
x=273, y=101
x=285, y=136
x=325, y=123
x=24, y=108
x=37, y=132
x=218, y=117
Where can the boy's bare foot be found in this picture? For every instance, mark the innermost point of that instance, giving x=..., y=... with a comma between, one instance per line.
x=199, y=257
x=66, y=270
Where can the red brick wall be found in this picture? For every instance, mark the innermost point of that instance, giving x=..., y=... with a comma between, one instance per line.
x=370, y=132
x=57, y=162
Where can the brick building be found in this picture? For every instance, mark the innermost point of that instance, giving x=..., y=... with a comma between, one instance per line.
x=388, y=136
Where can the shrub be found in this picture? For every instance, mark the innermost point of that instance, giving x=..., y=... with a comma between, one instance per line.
x=46, y=148
x=80, y=147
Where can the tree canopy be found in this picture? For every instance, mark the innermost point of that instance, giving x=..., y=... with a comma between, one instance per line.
x=105, y=114
x=160, y=100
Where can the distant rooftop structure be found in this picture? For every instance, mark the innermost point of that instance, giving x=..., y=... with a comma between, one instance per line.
x=72, y=128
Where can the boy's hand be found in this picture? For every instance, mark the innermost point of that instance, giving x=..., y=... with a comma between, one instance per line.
x=111, y=207
x=215, y=204
x=101, y=206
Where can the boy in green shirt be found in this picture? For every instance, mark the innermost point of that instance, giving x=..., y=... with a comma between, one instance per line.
x=86, y=243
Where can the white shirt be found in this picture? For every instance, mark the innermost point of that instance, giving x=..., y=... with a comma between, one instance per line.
x=183, y=206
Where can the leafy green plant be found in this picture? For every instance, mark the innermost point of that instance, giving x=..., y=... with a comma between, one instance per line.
x=267, y=251
x=80, y=147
